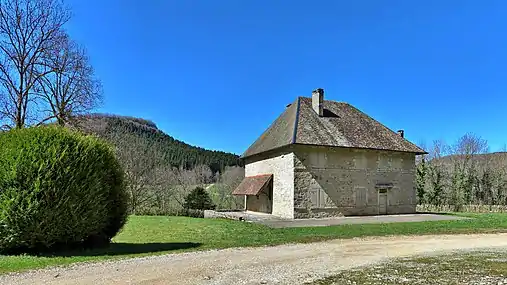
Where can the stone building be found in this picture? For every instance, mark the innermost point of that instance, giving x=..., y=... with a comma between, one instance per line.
x=324, y=158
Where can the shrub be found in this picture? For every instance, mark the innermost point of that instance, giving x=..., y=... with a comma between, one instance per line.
x=175, y=211
x=198, y=199
x=193, y=213
x=58, y=189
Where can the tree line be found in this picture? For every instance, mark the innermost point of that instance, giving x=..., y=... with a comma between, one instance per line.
x=461, y=174
x=144, y=134
x=161, y=171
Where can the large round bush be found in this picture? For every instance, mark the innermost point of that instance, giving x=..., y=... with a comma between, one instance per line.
x=58, y=189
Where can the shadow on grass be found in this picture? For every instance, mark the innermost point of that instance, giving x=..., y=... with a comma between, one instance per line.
x=123, y=249
x=437, y=213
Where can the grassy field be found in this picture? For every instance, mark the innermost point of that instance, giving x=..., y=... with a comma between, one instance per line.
x=478, y=267
x=144, y=235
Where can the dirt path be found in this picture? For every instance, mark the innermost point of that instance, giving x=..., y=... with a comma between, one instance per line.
x=286, y=264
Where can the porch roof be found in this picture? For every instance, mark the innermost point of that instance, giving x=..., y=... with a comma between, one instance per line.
x=253, y=185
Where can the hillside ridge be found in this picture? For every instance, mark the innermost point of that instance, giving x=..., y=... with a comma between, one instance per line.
x=177, y=153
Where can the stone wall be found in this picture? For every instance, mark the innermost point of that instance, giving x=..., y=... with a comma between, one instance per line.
x=341, y=181
x=281, y=165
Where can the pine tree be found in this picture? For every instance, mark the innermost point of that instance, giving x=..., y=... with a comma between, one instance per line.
x=421, y=181
x=198, y=199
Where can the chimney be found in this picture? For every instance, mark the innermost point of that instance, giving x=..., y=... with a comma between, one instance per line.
x=318, y=101
x=401, y=133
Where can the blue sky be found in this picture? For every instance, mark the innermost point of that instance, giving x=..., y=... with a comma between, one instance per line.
x=217, y=73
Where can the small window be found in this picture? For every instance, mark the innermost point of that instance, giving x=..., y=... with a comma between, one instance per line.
x=360, y=196
x=382, y=190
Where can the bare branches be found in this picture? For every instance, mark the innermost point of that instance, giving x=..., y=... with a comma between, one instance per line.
x=69, y=87
x=470, y=144
x=463, y=174
x=227, y=182
x=28, y=30
x=188, y=179
x=145, y=172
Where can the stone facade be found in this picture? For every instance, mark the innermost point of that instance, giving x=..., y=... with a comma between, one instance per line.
x=317, y=182
x=343, y=181
x=281, y=165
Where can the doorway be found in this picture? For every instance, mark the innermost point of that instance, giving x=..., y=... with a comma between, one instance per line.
x=382, y=201
x=263, y=201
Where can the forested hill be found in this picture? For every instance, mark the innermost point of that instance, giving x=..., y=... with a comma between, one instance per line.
x=120, y=130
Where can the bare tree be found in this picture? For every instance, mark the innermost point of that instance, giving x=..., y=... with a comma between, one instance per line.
x=161, y=195
x=69, y=87
x=464, y=157
x=494, y=178
x=227, y=182
x=28, y=29
x=438, y=149
x=145, y=173
x=464, y=150
x=436, y=173
x=203, y=175
x=186, y=180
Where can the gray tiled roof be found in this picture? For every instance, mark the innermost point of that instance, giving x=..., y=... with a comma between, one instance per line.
x=341, y=126
x=279, y=134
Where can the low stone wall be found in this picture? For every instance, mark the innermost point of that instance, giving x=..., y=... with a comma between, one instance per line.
x=247, y=216
x=210, y=214
x=463, y=208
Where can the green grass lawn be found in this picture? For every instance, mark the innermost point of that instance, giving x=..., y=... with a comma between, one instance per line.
x=144, y=235
x=476, y=267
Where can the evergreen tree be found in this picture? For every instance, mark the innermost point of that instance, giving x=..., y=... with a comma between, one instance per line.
x=198, y=199
x=421, y=181
x=436, y=196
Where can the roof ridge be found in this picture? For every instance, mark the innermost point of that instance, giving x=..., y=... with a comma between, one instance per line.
x=326, y=100
x=296, y=121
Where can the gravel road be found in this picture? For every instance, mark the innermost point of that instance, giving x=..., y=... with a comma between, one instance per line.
x=285, y=264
